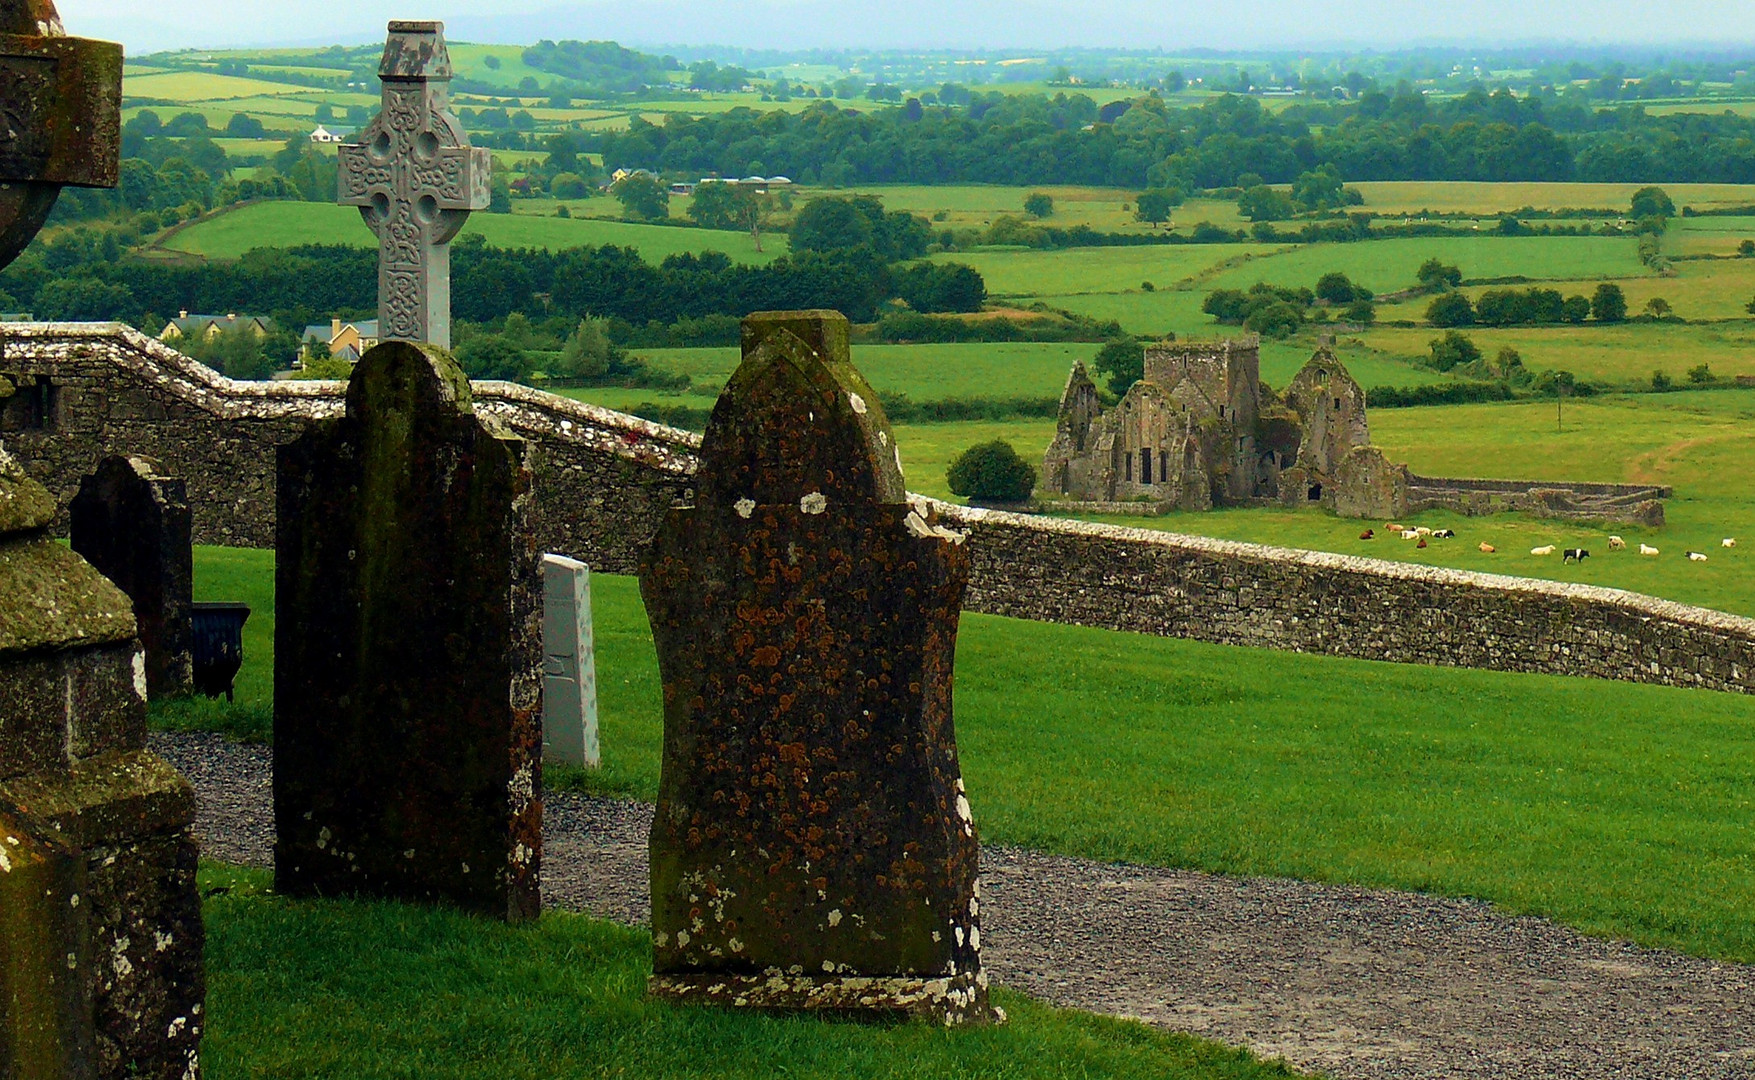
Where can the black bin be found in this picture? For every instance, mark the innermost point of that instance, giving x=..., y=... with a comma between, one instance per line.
x=219, y=646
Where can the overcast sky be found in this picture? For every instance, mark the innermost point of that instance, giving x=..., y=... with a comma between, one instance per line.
x=996, y=24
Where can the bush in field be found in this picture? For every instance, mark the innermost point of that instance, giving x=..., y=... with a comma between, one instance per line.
x=992, y=472
x=1651, y=202
x=1435, y=276
x=1363, y=312
x=1038, y=205
x=1700, y=375
x=1575, y=310
x=1263, y=203
x=1450, y=309
x=1661, y=383
x=1609, y=304
x=1274, y=320
x=1336, y=288
x=1453, y=350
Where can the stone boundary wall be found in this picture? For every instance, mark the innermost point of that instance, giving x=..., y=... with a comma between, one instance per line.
x=1507, y=487
x=605, y=478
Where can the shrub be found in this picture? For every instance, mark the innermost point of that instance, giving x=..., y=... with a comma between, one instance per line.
x=1450, y=309
x=1146, y=286
x=1575, y=310
x=1609, y=304
x=1657, y=307
x=1038, y=205
x=1263, y=203
x=1649, y=202
x=1446, y=393
x=1700, y=375
x=992, y=472
x=1123, y=361
x=1746, y=248
x=1661, y=382
x=1274, y=320
x=1336, y=288
x=1363, y=312
x=1436, y=276
x=1452, y=350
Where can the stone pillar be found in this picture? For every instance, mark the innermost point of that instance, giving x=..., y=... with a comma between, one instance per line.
x=100, y=961
x=408, y=649
x=813, y=846
x=133, y=526
x=569, y=665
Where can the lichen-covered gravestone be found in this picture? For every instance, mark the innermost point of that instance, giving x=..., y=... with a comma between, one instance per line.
x=813, y=846
x=100, y=954
x=134, y=526
x=407, y=649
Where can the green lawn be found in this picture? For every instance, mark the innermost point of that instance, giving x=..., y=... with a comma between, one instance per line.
x=1619, y=809
x=444, y=995
x=287, y=224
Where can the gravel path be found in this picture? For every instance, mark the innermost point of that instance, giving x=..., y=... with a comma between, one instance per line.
x=1357, y=983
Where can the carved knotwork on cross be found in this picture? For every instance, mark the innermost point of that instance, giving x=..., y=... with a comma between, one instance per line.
x=415, y=178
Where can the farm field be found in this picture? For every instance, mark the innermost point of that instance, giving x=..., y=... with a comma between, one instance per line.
x=1623, y=354
x=1618, y=809
x=1492, y=199
x=286, y=224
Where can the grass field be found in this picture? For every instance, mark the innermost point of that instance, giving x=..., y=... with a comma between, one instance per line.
x=1105, y=269
x=1488, y=199
x=1615, y=808
x=193, y=86
x=923, y=372
x=1623, y=354
x=446, y=996
x=286, y=224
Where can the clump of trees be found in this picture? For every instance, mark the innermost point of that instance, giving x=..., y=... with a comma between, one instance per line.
x=992, y=472
x=1525, y=307
x=1269, y=310
x=1317, y=189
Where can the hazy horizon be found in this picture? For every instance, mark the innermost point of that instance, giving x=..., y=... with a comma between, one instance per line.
x=969, y=24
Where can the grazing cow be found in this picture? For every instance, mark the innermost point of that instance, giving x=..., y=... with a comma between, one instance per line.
x=1422, y=542
x=1545, y=549
x=1487, y=548
x=1367, y=534
x=1574, y=555
x=1729, y=541
x=1393, y=527
x=1409, y=534
x=1616, y=543
x=1423, y=530
x=1647, y=549
x=1444, y=534
x=1695, y=556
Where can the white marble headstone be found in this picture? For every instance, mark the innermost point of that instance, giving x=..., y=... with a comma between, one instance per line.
x=569, y=665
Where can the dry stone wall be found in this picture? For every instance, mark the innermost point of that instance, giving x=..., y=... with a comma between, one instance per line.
x=604, y=481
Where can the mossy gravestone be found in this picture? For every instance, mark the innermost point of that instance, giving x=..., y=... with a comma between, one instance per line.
x=407, y=681
x=134, y=526
x=100, y=953
x=813, y=847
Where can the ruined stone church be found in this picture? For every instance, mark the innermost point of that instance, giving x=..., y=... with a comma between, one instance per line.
x=1201, y=429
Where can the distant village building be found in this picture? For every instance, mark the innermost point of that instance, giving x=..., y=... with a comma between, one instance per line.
x=207, y=327
x=1201, y=429
x=324, y=135
x=345, y=340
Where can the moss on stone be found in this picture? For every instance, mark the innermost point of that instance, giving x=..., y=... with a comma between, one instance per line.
x=24, y=504
x=51, y=598
x=109, y=798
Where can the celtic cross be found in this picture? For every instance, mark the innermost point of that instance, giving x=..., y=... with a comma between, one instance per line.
x=415, y=178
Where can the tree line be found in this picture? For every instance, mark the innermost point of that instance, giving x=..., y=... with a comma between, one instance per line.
x=1021, y=139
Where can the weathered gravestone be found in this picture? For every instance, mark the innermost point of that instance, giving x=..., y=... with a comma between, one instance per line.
x=415, y=179
x=569, y=665
x=407, y=648
x=813, y=847
x=134, y=526
x=100, y=953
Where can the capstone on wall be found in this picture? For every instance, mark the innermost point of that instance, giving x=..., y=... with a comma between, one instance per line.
x=605, y=479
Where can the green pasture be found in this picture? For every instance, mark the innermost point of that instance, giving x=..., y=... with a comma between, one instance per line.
x=1621, y=810
x=1105, y=269
x=1388, y=265
x=287, y=224
x=1623, y=354
x=1492, y=199
x=969, y=372
x=193, y=86
x=445, y=996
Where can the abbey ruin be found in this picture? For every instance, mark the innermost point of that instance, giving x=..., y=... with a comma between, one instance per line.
x=1201, y=429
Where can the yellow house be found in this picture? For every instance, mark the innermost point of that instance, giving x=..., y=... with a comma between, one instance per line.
x=208, y=327
x=346, y=340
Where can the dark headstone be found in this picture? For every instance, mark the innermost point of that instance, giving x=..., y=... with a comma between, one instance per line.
x=133, y=525
x=100, y=958
x=813, y=847
x=407, y=676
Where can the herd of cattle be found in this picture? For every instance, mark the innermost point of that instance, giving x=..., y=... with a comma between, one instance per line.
x=1420, y=534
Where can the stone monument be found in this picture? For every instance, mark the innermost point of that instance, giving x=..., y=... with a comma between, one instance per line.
x=133, y=525
x=407, y=648
x=415, y=178
x=100, y=959
x=813, y=845
x=569, y=665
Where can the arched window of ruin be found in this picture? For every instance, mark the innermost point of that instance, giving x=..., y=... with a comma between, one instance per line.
x=1146, y=465
x=1128, y=460
x=1163, y=465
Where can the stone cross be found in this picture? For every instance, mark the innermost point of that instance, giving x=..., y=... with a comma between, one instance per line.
x=134, y=527
x=415, y=178
x=407, y=736
x=569, y=665
x=60, y=117
x=813, y=845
